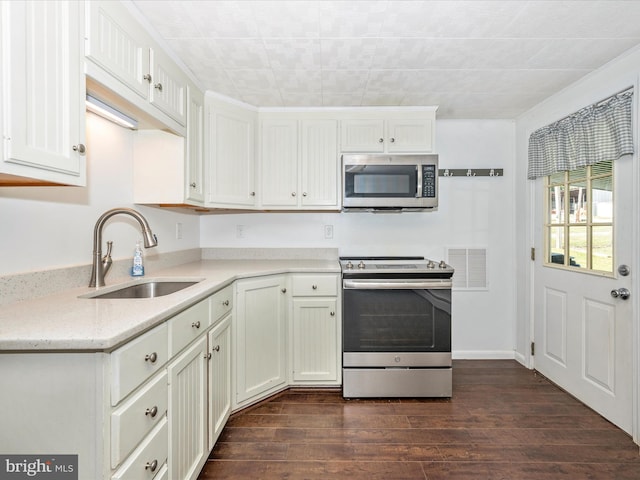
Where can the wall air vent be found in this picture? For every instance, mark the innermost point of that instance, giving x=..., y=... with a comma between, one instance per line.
x=470, y=266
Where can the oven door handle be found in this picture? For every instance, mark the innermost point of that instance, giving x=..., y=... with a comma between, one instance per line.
x=435, y=284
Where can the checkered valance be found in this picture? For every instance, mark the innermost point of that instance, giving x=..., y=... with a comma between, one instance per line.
x=602, y=131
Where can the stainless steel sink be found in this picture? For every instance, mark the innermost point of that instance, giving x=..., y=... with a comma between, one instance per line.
x=151, y=289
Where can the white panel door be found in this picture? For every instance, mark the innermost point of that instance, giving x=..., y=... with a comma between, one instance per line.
x=411, y=135
x=362, y=136
x=219, y=378
x=194, y=188
x=320, y=163
x=168, y=86
x=44, y=87
x=583, y=335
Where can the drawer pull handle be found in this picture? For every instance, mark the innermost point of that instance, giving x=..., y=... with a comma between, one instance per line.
x=151, y=466
x=225, y=303
x=217, y=349
x=196, y=324
x=153, y=357
x=315, y=287
x=333, y=314
x=152, y=412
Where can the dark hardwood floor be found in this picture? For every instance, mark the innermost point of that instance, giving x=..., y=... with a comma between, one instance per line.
x=503, y=422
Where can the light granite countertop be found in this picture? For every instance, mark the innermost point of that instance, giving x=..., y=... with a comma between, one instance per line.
x=66, y=322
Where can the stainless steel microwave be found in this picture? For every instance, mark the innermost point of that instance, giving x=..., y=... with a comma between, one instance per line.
x=390, y=182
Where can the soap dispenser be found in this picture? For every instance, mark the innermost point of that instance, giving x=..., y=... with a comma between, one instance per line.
x=137, y=270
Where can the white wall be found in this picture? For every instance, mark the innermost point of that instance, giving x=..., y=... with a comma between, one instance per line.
x=473, y=212
x=47, y=227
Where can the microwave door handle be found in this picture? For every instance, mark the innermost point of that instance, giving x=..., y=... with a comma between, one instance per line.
x=419, y=181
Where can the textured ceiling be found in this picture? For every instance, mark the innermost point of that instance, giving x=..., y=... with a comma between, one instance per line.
x=474, y=59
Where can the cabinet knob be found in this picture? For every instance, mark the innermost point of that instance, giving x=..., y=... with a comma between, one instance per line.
x=293, y=194
x=253, y=194
x=393, y=139
x=208, y=356
x=284, y=290
x=151, y=466
x=147, y=77
x=152, y=357
x=192, y=185
x=158, y=86
x=196, y=324
x=152, y=412
x=315, y=287
x=217, y=348
x=333, y=314
x=225, y=303
x=304, y=194
x=380, y=140
x=80, y=148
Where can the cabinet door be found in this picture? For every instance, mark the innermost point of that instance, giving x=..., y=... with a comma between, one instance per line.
x=319, y=163
x=260, y=336
x=279, y=163
x=363, y=136
x=43, y=85
x=219, y=378
x=168, y=86
x=315, y=340
x=231, y=162
x=117, y=43
x=194, y=189
x=187, y=412
x=410, y=135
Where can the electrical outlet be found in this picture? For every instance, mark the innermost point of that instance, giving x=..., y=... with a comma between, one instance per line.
x=240, y=231
x=328, y=231
x=178, y=231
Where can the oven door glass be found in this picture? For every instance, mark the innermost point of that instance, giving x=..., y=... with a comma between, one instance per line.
x=396, y=320
x=375, y=181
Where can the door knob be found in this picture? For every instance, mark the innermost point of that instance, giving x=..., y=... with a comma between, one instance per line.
x=623, y=293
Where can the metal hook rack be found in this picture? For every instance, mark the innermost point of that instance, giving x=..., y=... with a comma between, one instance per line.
x=471, y=172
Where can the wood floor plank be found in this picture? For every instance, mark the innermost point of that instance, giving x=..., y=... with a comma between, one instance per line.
x=502, y=422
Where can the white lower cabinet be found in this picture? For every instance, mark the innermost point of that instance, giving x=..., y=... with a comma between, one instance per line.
x=315, y=330
x=187, y=376
x=219, y=378
x=260, y=338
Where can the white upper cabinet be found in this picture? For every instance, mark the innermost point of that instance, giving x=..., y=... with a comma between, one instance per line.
x=194, y=174
x=42, y=100
x=121, y=47
x=279, y=163
x=319, y=164
x=407, y=133
x=299, y=164
x=230, y=162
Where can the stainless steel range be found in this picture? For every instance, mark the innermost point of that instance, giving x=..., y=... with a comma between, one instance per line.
x=396, y=329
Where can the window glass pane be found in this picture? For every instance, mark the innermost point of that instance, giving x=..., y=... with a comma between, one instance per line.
x=556, y=204
x=578, y=247
x=602, y=249
x=556, y=245
x=578, y=174
x=602, y=200
x=578, y=205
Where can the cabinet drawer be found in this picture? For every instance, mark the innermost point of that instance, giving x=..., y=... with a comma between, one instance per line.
x=221, y=302
x=324, y=285
x=147, y=460
x=137, y=416
x=187, y=326
x=136, y=361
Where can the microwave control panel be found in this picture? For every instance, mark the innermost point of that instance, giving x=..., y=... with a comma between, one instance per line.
x=429, y=174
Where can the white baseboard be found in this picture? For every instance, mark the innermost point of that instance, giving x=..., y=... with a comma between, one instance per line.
x=483, y=355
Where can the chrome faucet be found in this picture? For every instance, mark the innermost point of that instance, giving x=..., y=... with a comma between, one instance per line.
x=101, y=265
